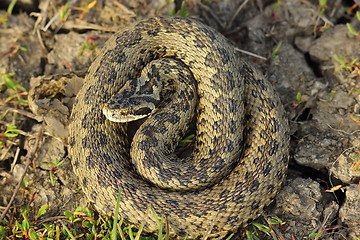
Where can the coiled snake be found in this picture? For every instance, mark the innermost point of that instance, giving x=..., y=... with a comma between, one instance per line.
x=240, y=155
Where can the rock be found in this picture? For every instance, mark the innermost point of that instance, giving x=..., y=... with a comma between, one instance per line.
x=52, y=150
x=342, y=99
x=317, y=150
x=343, y=168
x=332, y=43
x=299, y=205
x=76, y=56
x=18, y=172
x=304, y=43
x=349, y=213
x=288, y=72
x=333, y=112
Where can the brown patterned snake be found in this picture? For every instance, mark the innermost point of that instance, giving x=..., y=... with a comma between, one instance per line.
x=240, y=155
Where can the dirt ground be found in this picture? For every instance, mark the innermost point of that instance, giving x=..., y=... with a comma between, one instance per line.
x=309, y=52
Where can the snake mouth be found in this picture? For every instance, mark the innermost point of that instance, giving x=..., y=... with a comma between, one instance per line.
x=145, y=111
x=126, y=116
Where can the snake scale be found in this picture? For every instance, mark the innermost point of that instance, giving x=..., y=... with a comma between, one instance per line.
x=240, y=155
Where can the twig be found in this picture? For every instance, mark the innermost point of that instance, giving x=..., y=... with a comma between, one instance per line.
x=83, y=25
x=236, y=13
x=213, y=15
x=251, y=54
x=23, y=112
x=40, y=22
x=325, y=19
x=15, y=159
x=67, y=230
x=123, y=8
x=51, y=21
x=335, y=8
x=52, y=219
x=6, y=151
x=275, y=233
x=29, y=158
x=342, y=131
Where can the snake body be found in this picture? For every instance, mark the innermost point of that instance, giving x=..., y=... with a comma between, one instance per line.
x=240, y=155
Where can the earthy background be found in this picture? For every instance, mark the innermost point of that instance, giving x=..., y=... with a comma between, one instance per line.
x=309, y=50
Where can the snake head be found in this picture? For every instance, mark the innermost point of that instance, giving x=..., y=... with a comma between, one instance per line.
x=127, y=110
x=135, y=100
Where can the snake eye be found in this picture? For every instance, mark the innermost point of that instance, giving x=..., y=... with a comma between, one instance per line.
x=125, y=112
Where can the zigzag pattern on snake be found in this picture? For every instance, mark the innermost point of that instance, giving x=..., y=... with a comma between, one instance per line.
x=239, y=159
